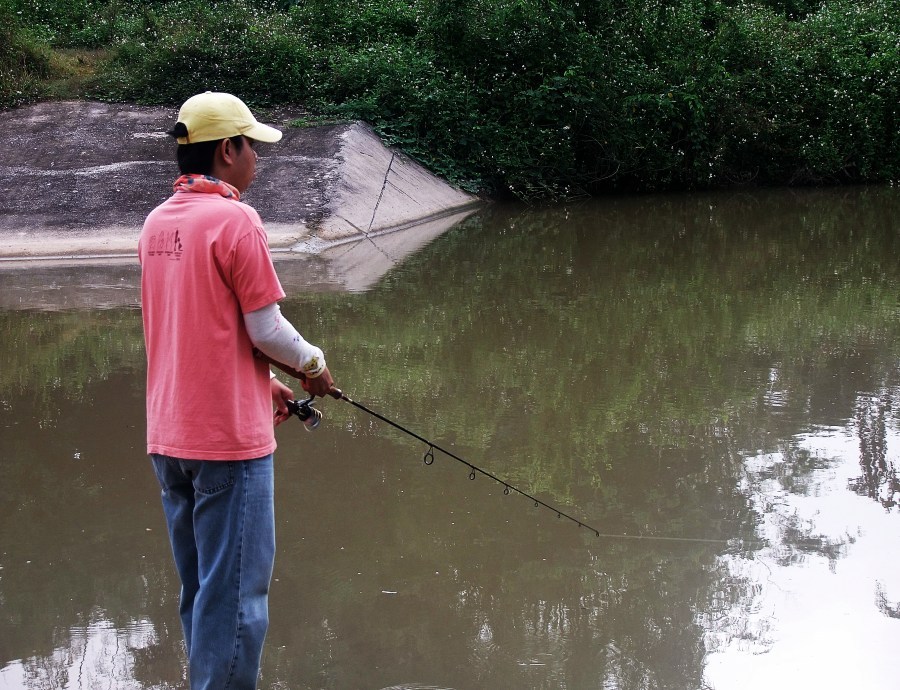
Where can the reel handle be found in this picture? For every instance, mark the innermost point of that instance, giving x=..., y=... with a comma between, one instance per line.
x=305, y=412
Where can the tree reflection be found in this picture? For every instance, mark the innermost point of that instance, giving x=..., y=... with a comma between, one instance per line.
x=879, y=480
x=887, y=607
x=98, y=655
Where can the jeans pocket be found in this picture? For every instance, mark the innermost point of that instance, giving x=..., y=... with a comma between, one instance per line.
x=214, y=476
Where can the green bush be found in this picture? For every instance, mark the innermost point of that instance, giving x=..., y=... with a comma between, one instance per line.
x=548, y=99
x=89, y=23
x=812, y=101
x=24, y=62
x=181, y=48
x=537, y=98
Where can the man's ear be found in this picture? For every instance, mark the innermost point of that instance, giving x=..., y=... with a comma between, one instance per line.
x=226, y=151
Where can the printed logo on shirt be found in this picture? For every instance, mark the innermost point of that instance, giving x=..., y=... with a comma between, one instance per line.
x=166, y=243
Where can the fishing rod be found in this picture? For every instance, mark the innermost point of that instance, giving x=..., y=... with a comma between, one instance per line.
x=312, y=417
x=305, y=409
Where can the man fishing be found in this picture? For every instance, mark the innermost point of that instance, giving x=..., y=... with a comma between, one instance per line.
x=209, y=296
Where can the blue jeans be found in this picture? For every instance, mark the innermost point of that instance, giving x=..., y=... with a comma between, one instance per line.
x=221, y=520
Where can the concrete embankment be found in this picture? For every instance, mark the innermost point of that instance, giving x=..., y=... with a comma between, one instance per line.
x=77, y=179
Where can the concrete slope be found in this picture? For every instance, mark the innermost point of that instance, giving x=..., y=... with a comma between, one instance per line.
x=77, y=179
x=403, y=192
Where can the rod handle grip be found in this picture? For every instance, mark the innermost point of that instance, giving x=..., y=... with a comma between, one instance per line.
x=335, y=393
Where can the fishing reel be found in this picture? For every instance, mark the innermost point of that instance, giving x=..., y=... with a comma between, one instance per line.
x=306, y=413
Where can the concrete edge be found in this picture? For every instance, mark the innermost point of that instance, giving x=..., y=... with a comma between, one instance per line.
x=284, y=243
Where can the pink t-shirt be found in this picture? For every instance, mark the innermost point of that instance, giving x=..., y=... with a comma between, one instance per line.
x=205, y=262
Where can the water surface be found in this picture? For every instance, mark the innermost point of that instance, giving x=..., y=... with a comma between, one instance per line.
x=709, y=381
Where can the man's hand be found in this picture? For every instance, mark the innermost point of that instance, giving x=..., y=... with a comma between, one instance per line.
x=322, y=385
x=280, y=395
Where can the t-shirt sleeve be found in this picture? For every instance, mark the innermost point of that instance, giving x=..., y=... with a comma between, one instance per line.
x=254, y=280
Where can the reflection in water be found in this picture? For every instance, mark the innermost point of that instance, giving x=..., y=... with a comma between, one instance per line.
x=881, y=601
x=99, y=655
x=716, y=370
x=814, y=611
x=879, y=479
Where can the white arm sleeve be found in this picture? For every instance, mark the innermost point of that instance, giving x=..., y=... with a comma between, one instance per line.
x=276, y=337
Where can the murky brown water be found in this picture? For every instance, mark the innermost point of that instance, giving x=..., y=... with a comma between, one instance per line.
x=710, y=381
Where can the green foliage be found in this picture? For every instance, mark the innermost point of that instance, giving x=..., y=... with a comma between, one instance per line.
x=538, y=98
x=181, y=48
x=813, y=101
x=24, y=62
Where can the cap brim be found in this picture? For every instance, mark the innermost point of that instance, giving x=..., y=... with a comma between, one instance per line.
x=264, y=133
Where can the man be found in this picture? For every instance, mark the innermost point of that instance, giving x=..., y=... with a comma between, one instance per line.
x=209, y=295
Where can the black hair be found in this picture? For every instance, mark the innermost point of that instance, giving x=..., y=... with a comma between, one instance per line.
x=197, y=159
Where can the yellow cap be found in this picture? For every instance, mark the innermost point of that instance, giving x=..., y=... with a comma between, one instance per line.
x=210, y=116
